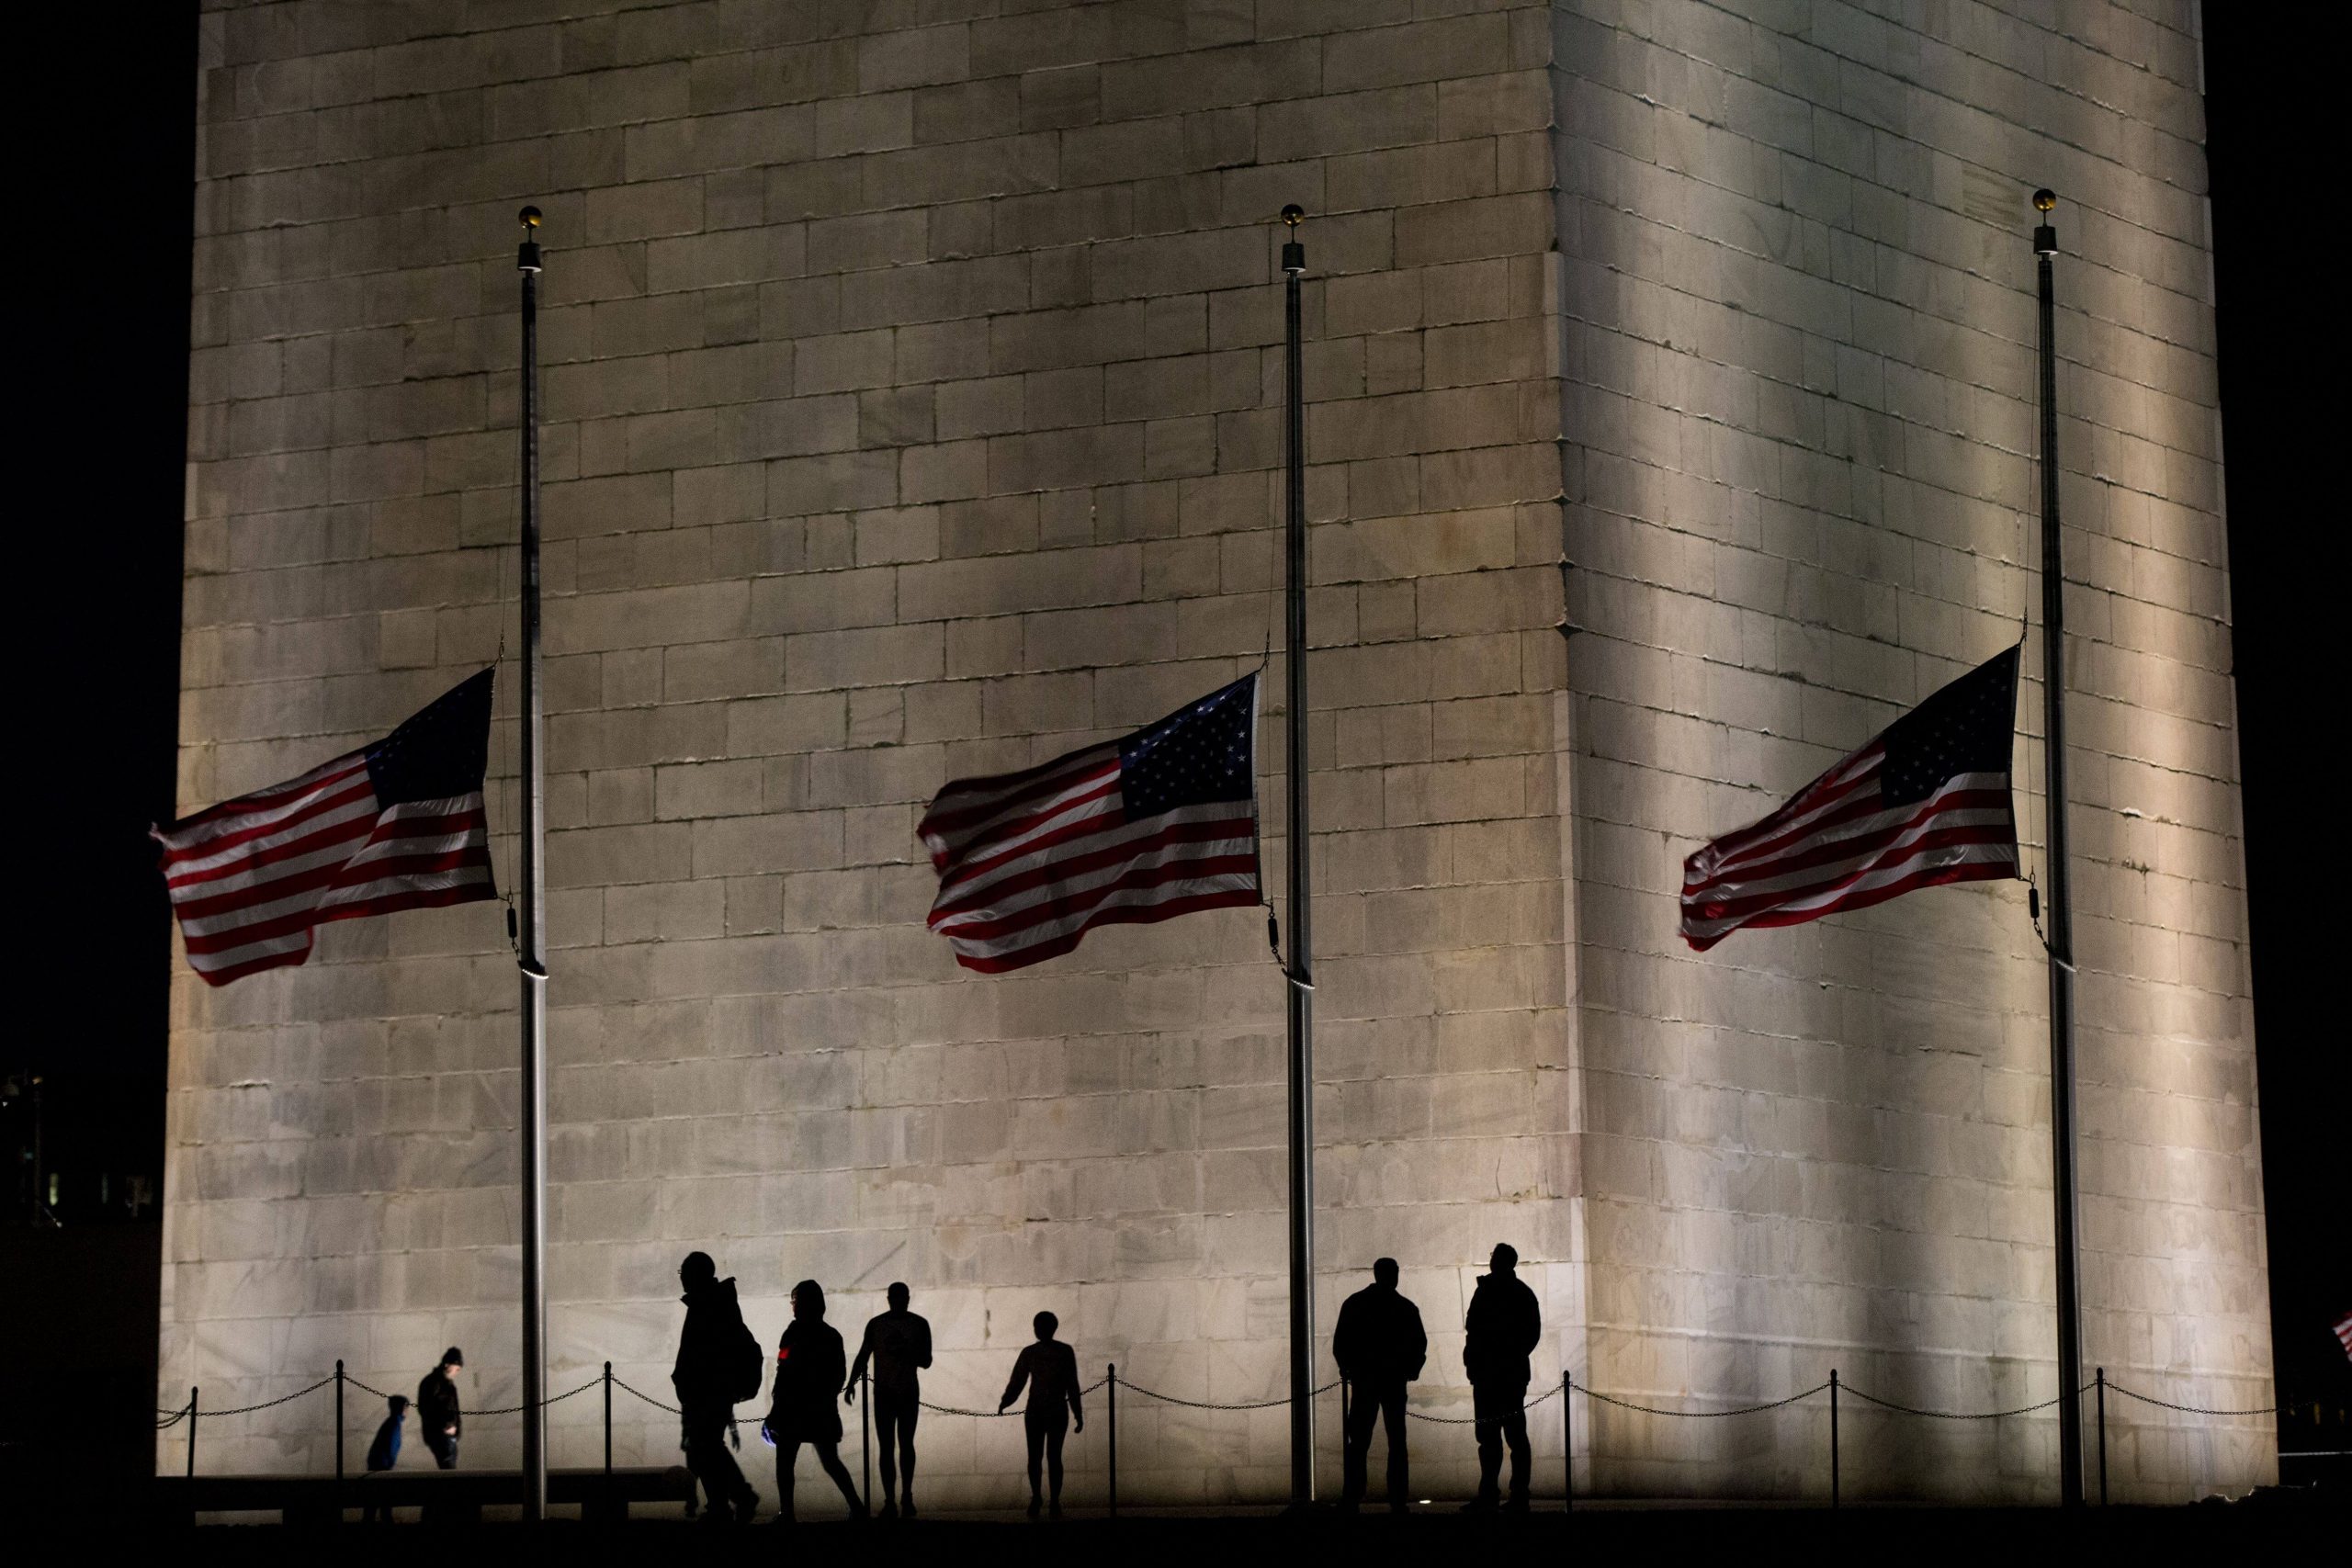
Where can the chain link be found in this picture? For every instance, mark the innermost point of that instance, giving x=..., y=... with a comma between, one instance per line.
x=272, y=1403
x=1952, y=1415
x=1525, y=1405
x=1213, y=1404
x=647, y=1397
x=1709, y=1415
x=2189, y=1409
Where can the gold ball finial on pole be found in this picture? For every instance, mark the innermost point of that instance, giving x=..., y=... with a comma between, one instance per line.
x=2045, y=234
x=2043, y=200
x=526, y=254
x=528, y=217
x=1294, y=215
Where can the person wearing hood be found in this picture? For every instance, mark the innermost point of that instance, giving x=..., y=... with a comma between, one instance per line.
x=1503, y=1325
x=706, y=1380
x=438, y=1419
x=811, y=1365
x=384, y=1454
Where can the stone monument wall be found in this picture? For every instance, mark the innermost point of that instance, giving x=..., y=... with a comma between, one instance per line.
x=913, y=376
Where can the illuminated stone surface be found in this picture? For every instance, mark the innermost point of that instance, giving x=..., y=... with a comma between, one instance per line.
x=912, y=377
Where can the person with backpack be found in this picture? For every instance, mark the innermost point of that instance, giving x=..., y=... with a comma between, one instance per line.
x=809, y=1365
x=717, y=1368
x=383, y=1454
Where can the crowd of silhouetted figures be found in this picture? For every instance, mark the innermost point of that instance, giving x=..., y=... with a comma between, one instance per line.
x=1378, y=1343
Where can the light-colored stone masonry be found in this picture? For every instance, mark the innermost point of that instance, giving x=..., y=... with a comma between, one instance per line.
x=911, y=377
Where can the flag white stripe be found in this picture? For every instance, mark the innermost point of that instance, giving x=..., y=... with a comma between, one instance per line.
x=959, y=876
x=351, y=810
x=1090, y=778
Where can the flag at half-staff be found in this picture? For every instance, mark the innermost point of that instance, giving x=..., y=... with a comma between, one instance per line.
x=1145, y=828
x=1926, y=802
x=398, y=825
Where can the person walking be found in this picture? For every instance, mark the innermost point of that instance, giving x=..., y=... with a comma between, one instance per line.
x=383, y=1454
x=1380, y=1345
x=1049, y=1367
x=438, y=1415
x=1503, y=1325
x=717, y=1367
x=898, y=1342
x=809, y=1364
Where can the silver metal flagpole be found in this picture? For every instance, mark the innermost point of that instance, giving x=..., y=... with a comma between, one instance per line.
x=2061, y=937
x=531, y=941
x=1300, y=970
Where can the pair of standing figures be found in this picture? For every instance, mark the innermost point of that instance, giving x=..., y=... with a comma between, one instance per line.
x=1380, y=1345
x=712, y=1375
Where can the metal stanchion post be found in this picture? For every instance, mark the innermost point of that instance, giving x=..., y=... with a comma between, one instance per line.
x=1567, y=1443
x=191, y=1429
x=2102, y=1437
x=1833, y=1438
x=865, y=1439
x=609, y=1426
x=338, y=1436
x=1112, y=1431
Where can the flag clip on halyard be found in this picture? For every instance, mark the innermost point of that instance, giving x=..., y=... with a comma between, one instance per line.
x=1925, y=803
x=1156, y=824
x=397, y=825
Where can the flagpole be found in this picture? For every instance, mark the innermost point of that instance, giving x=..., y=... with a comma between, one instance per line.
x=2061, y=938
x=531, y=937
x=1299, y=982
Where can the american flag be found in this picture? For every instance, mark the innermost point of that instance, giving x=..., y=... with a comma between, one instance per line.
x=2344, y=1331
x=398, y=825
x=1154, y=825
x=1926, y=802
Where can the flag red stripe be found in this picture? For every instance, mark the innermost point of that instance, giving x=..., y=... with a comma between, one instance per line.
x=1182, y=870
x=1120, y=915
x=359, y=794
x=1815, y=852
x=1070, y=867
x=1710, y=909
x=1935, y=876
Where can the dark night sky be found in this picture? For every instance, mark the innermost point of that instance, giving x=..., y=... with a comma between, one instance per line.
x=104, y=223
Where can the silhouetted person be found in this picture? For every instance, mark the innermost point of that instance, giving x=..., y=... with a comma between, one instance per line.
x=383, y=1454
x=1380, y=1346
x=438, y=1415
x=899, y=1344
x=709, y=1378
x=1503, y=1325
x=1050, y=1369
x=809, y=1365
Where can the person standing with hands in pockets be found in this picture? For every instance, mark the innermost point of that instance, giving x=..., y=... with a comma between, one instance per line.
x=1049, y=1367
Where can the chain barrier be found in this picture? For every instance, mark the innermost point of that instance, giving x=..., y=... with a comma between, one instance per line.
x=167, y=1419
x=1213, y=1404
x=1525, y=1405
x=2053, y=1401
x=272, y=1403
x=2191, y=1409
x=1709, y=1415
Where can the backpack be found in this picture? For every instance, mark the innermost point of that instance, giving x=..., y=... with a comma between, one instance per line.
x=746, y=1365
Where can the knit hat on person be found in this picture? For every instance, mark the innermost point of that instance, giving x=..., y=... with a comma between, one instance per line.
x=453, y=1357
